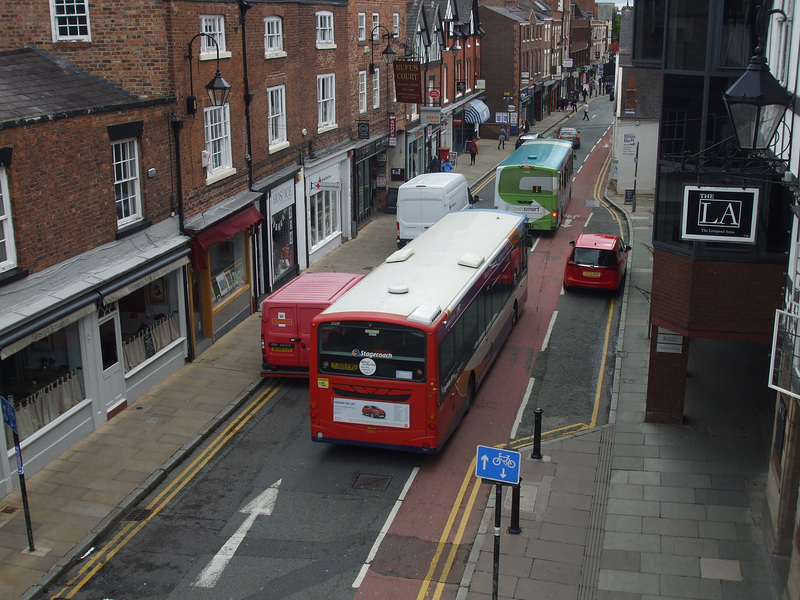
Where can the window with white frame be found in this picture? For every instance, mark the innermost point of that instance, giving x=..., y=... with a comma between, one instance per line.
x=218, y=139
x=273, y=35
x=376, y=89
x=362, y=91
x=325, y=28
x=376, y=21
x=277, y=115
x=396, y=24
x=362, y=27
x=213, y=26
x=8, y=252
x=326, y=100
x=126, y=181
x=323, y=217
x=70, y=20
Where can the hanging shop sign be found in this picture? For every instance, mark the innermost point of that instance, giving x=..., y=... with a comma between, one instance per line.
x=719, y=214
x=408, y=81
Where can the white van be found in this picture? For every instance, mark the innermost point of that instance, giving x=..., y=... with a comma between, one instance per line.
x=427, y=198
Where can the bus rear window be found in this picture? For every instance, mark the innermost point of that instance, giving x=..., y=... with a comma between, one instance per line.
x=372, y=350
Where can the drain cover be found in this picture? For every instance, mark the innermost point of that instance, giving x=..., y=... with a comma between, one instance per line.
x=9, y=509
x=374, y=483
x=138, y=514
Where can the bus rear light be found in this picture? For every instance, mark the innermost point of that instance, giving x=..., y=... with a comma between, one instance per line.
x=555, y=214
x=319, y=435
x=432, y=426
x=432, y=417
x=313, y=406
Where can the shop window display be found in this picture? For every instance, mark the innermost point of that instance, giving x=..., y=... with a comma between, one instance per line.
x=324, y=221
x=149, y=320
x=228, y=267
x=43, y=380
x=283, y=242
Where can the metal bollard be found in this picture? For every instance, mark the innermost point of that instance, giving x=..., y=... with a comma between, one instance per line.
x=514, y=528
x=537, y=435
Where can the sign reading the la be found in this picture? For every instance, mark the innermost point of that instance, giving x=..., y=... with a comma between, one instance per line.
x=719, y=214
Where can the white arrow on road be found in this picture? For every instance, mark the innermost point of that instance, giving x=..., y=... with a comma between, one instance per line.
x=262, y=505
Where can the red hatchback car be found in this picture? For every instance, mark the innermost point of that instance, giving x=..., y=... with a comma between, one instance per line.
x=598, y=261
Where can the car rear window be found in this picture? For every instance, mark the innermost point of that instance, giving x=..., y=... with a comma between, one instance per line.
x=594, y=257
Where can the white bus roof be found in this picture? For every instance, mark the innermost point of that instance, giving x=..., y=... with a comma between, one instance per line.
x=430, y=272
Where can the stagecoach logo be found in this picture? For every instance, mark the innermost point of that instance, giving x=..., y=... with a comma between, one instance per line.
x=363, y=353
x=720, y=214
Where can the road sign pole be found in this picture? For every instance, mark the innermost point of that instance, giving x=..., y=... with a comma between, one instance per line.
x=514, y=528
x=498, y=505
x=24, y=492
x=10, y=419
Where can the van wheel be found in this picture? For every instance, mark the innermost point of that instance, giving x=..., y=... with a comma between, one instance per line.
x=515, y=278
x=514, y=315
x=470, y=393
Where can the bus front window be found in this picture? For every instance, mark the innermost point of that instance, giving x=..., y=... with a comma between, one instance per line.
x=379, y=350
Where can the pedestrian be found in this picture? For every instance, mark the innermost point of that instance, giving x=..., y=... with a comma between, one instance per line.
x=473, y=151
x=525, y=127
x=585, y=112
x=435, y=164
x=447, y=166
x=501, y=139
x=574, y=106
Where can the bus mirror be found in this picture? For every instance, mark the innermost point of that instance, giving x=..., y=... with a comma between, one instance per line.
x=529, y=241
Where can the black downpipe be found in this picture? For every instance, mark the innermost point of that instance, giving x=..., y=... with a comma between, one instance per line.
x=248, y=97
x=177, y=125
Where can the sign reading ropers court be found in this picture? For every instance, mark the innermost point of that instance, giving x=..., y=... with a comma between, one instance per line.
x=719, y=214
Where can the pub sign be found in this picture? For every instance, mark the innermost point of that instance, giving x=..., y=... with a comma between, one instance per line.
x=719, y=214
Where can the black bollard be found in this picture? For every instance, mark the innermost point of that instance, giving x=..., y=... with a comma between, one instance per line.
x=537, y=435
x=514, y=528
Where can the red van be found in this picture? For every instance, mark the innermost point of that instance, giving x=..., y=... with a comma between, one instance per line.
x=286, y=320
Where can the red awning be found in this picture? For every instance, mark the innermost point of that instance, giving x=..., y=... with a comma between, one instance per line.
x=220, y=232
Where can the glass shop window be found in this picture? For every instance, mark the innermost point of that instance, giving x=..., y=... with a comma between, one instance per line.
x=43, y=380
x=228, y=267
x=149, y=320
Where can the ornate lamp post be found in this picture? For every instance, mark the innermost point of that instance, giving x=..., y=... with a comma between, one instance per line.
x=218, y=89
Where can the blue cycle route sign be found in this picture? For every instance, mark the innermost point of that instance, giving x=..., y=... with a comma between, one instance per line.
x=498, y=464
x=9, y=414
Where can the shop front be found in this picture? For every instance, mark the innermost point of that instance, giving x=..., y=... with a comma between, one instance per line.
x=221, y=290
x=75, y=364
x=281, y=246
x=328, y=215
x=418, y=155
x=370, y=178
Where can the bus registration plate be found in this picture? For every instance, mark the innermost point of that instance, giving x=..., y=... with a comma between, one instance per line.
x=344, y=366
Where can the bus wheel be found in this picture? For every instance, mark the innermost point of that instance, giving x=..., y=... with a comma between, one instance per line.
x=470, y=392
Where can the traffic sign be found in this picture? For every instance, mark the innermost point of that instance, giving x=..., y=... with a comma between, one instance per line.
x=433, y=93
x=9, y=414
x=498, y=464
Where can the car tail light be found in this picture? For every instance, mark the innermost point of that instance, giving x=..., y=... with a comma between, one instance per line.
x=559, y=136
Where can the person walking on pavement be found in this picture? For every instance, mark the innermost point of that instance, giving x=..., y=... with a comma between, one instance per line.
x=473, y=151
x=447, y=166
x=501, y=139
x=436, y=165
x=585, y=112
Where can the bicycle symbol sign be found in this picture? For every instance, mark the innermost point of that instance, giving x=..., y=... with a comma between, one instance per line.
x=498, y=464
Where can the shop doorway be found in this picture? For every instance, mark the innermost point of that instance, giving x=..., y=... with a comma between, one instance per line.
x=112, y=381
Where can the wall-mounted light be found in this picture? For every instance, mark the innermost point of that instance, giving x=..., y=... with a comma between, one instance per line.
x=218, y=89
x=388, y=53
x=756, y=102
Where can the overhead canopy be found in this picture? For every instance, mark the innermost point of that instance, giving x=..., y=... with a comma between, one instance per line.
x=221, y=232
x=476, y=112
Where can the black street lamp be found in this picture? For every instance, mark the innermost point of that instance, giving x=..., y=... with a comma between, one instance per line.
x=218, y=89
x=756, y=102
x=388, y=53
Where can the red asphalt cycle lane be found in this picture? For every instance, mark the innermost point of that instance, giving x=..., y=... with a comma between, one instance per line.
x=414, y=542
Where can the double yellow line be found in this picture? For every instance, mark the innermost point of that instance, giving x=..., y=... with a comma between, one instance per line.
x=100, y=558
x=598, y=194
